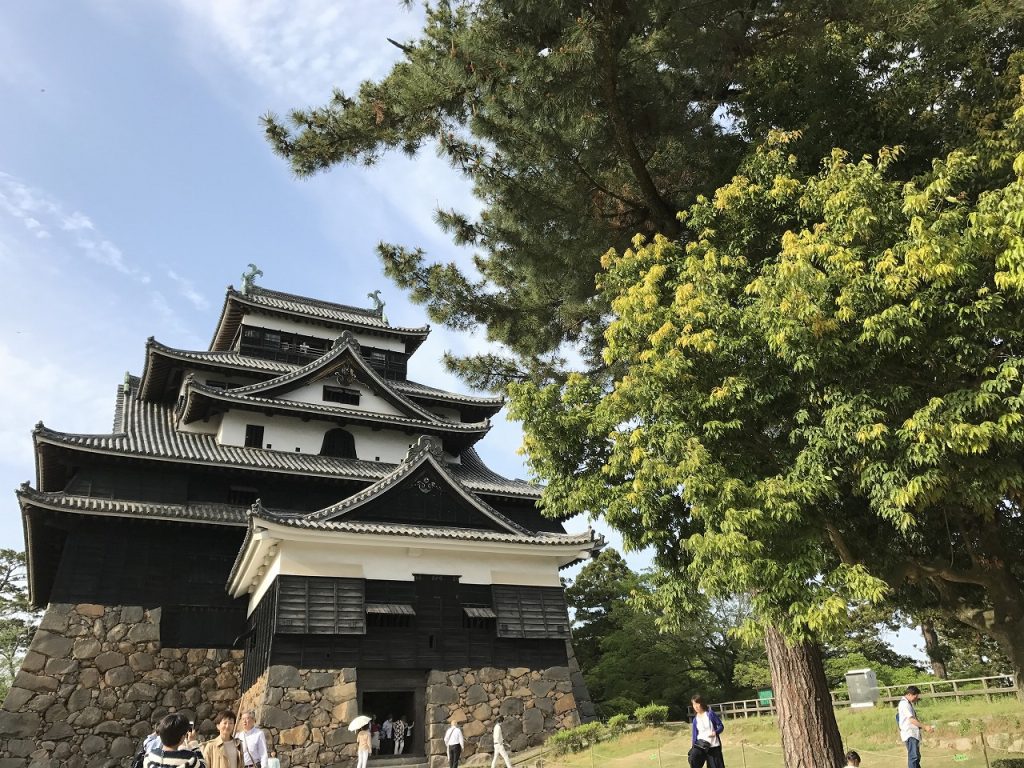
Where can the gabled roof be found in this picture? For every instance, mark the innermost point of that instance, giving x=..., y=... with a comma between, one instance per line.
x=160, y=358
x=426, y=451
x=217, y=514
x=341, y=316
x=146, y=431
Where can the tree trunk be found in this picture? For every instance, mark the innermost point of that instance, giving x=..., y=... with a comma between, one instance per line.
x=931, y=647
x=807, y=719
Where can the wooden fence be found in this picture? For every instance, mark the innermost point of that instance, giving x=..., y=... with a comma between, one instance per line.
x=963, y=688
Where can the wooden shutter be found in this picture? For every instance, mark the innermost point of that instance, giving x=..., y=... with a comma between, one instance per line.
x=531, y=612
x=314, y=605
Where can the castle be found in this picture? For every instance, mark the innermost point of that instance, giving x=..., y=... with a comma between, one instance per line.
x=286, y=522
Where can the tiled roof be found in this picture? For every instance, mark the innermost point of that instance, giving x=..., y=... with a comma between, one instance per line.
x=224, y=514
x=149, y=432
x=354, y=414
x=236, y=361
x=584, y=539
x=237, y=303
x=426, y=451
x=325, y=310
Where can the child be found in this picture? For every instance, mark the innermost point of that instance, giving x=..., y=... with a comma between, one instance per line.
x=273, y=761
x=172, y=753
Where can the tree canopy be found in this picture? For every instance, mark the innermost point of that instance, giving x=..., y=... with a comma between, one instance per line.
x=583, y=122
x=818, y=397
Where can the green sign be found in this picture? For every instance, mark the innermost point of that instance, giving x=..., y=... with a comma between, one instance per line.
x=959, y=758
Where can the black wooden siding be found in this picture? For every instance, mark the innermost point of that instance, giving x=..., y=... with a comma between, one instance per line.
x=439, y=636
x=531, y=612
x=316, y=605
x=181, y=568
x=259, y=638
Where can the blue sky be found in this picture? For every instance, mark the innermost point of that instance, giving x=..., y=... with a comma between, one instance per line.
x=135, y=185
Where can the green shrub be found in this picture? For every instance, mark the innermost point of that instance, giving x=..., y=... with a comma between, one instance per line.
x=617, y=723
x=616, y=706
x=1008, y=762
x=575, y=739
x=652, y=714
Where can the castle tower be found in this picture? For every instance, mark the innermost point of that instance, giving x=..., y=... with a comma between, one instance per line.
x=286, y=522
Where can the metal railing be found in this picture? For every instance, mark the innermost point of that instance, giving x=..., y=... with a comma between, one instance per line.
x=961, y=688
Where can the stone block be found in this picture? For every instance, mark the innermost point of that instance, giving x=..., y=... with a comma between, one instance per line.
x=317, y=680
x=33, y=662
x=79, y=699
x=88, y=717
x=17, y=698
x=35, y=683
x=18, y=723
x=122, y=746
x=132, y=614
x=56, y=618
x=491, y=675
x=437, y=714
x=296, y=736
x=161, y=678
x=346, y=711
x=482, y=712
x=337, y=737
x=60, y=667
x=56, y=712
x=273, y=717
x=437, y=677
x=284, y=676
x=58, y=731
x=541, y=688
x=143, y=633
x=119, y=676
x=533, y=721
x=442, y=694
x=109, y=660
x=511, y=707
x=564, y=704
x=49, y=644
x=474, y=728
x=547, y=706
x=91, y=610
x=89, y=677
x=93, y=744
x=558, y=674
x=20, y=747
x=12, y=762
x=476, y=694
x=142, y=662
x=109, y=728
x=340, y=692
x=86, y=648
x=141, y=692
x=518, y=671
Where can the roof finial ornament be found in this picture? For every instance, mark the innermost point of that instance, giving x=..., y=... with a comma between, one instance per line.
x=425, y=444
x=378, y=305
x=249, y=278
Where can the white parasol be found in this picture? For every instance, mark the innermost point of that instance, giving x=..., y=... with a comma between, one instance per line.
x=358, y=722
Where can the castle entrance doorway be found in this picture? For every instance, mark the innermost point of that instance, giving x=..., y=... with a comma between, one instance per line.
x=399, y=694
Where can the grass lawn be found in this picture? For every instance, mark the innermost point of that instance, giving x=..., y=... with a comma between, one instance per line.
x=755, y=743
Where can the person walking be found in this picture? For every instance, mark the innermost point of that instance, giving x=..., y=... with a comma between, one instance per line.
x=224, y=751
x=499, y=744
x=454, y=741
x=387, y=744
x=398, y=729
x=364, y=745
x=254, y=742
x=173, y=750
x=706, y=745
x=910, y=726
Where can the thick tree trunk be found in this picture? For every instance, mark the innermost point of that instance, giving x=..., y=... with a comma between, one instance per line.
x=931, y=647
x=807, y=720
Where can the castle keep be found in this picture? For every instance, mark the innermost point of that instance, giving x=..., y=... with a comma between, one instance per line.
x=286, y=522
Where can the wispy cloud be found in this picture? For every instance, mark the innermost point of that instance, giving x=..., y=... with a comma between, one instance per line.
x=44, y=216
x=187, y=289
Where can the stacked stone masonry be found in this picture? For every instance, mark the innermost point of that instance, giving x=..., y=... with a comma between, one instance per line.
x=305, y=712
x=94, y=681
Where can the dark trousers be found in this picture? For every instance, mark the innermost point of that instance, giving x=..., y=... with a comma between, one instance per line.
x=454, y=753
x=698, y=758
x=913, y=753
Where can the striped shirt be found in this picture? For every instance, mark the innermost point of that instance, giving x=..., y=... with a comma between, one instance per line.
x=173, y=758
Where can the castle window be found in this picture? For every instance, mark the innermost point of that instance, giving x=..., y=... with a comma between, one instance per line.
x=339, y=443
x=253, y=436
x=531, y=612
x=389, y=615
x=479, y=617
x=341, y=395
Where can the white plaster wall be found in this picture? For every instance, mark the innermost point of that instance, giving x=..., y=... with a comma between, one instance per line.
x=286, y=433
x=400, y=563
x=320, y=332
x=368, y=401
x=210, y=426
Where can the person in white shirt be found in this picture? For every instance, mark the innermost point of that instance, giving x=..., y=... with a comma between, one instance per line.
x=706, y=746
x=454, y=741
x=387, y=736
x=910, y=726
x=499, y=744
x=254, y=743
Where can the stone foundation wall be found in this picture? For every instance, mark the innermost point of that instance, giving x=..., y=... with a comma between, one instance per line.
x=534, y=703
x=305, y=714
x=94, y=681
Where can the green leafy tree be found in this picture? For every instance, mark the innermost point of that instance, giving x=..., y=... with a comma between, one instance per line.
x=580, y=123
x=818, y=396
x=17, y=618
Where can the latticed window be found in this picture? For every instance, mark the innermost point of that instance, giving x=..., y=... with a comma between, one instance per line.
x=531, y=612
